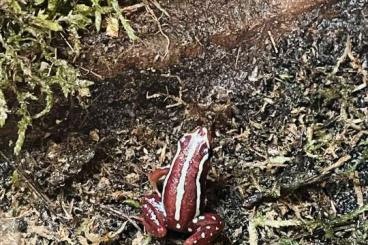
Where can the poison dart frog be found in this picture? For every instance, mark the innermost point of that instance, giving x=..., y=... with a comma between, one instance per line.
x=179, y=206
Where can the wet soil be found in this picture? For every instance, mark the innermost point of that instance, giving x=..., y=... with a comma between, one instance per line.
x=187, y=29
x=289, y=118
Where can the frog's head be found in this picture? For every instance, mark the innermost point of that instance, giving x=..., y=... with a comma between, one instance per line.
x=199, y=136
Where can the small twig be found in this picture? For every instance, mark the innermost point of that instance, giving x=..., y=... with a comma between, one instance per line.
x=150, y=11
x=178, y=100
x=357, y=188
x=273, y=42
x=337, y=164
x=199, y=41
x=132, y=8
x=237, y=57
x=354, y=63
x=92, y=72
x=153, y=96
x=67, y=42
x=173, y=76
x=112, y=235
x=157, y=5
x=68, y=213
x=120, y=214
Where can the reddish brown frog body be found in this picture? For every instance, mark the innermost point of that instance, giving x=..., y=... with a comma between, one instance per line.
x=181, y=202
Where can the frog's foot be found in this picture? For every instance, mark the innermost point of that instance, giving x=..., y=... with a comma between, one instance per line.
x=153, y=216
x=205, y=228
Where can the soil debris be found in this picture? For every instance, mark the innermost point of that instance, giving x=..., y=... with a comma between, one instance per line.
x=289, y=152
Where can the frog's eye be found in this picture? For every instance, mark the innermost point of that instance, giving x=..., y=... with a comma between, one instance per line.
x=185, y=139
x=205, y=151
x=182, y=140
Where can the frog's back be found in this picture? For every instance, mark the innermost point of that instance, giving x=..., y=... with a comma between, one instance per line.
x=183, y=185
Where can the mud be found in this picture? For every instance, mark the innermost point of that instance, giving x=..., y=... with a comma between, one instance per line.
x=189, y=30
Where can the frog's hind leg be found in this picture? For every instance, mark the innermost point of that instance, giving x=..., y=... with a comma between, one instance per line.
x=205, y=228
x=153, y=216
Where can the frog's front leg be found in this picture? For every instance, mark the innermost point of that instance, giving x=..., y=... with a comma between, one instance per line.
x=205, y=228
x=154, y=216
x=156, y=175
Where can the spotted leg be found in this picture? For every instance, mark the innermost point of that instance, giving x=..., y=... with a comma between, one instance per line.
x=154, y=217
x=156, y=175
x=205, y=228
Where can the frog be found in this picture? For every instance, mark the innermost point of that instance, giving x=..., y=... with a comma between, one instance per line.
x=179, y=207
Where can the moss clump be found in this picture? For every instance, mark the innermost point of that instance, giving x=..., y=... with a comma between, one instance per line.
x=30, y=66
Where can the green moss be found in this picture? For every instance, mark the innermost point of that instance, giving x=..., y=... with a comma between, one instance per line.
x=30, y=68
x=15, y=179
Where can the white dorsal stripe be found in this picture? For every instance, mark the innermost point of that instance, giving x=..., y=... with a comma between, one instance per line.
x=171, y=168
x=193, y=144
x=198, y=184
